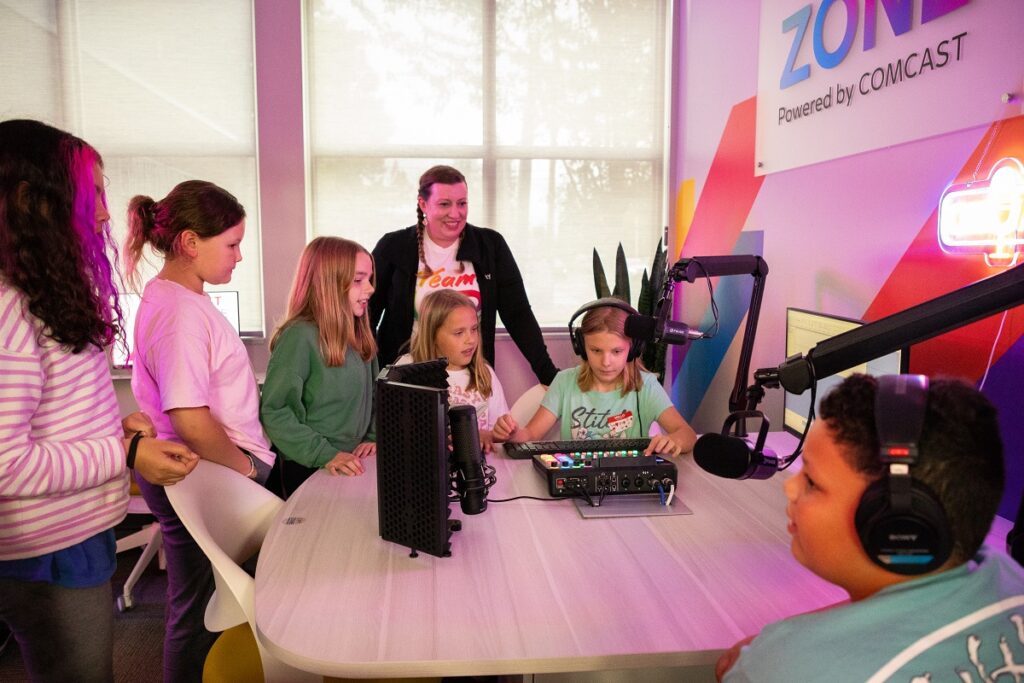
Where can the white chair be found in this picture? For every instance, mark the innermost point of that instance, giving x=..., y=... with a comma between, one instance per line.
x=148, y=538
x=523, y=409
x=228, y=516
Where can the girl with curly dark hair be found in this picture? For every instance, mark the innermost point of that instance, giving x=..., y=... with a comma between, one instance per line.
x=63, y=464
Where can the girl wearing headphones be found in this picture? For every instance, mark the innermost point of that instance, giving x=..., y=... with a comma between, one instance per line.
x=608, y=395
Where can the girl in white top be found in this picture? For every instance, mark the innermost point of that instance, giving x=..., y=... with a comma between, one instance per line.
x=448, y=327
x=64, y=453
x=192, y=375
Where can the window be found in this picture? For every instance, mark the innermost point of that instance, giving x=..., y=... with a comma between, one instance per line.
x=554, y=112
x=164, y=91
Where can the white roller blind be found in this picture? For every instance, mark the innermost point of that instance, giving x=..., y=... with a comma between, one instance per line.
x=554, y=111
x=164, y=90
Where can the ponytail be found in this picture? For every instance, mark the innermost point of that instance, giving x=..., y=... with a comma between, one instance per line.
x=140, y=225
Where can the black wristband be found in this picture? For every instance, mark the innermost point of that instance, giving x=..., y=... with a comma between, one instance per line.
x=133, y=448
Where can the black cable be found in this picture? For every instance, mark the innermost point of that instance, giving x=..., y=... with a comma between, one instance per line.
x=807, y=425
x=711, y=295
x=507, y=500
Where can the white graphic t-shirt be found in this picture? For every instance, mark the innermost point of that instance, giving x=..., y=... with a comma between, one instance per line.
x=448, y=273
x=488, y=409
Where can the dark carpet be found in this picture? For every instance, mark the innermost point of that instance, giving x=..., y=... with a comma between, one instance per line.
x=138, y=633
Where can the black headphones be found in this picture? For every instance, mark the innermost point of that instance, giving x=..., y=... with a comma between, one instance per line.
x=901, y=523
x=636, y=346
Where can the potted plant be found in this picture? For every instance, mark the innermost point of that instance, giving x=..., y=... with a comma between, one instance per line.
x=650, y=289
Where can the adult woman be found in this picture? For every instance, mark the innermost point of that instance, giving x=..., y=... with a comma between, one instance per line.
x=192, y=374
x=63, y=465
x=443, y=251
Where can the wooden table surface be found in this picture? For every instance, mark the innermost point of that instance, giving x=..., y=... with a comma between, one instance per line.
x=531, y=586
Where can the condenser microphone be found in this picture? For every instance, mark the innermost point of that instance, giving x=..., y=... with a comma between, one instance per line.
x=467, y=464
x=732, y=457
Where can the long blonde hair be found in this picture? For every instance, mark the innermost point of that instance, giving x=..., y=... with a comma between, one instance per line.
x=612, y=320
x=319, y=295
x=434, y=311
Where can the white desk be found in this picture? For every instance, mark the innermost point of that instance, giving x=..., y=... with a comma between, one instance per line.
x=531, y=586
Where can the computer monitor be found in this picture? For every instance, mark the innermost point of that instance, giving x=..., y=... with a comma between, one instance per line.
x=804, y=330
x=123, y=350
x=413, y=481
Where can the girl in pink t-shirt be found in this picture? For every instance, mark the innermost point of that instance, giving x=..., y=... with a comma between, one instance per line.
x=192, y=375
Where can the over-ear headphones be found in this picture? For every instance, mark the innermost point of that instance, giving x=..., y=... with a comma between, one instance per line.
x=901, y=523
x=636, y=346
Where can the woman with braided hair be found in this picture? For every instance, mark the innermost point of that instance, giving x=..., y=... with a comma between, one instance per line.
x=443, y=251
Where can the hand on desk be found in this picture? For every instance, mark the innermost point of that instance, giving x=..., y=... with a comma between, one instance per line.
x=504, y=428
x=664, y=444
x=729, y=658
x=487, y=441
x=351, y=464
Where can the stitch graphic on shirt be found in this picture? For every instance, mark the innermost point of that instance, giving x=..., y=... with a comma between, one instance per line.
x=618, y=424
x=589, y=423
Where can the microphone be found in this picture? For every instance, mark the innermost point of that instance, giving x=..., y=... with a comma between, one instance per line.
x=649, y=328
x=467, y=466
x=732, y=457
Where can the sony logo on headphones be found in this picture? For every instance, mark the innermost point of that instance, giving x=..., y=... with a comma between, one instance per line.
x=902, y=537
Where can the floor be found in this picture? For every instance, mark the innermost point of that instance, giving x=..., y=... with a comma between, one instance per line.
x=138, y=633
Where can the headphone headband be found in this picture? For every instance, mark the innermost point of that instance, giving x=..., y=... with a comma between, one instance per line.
x=636, y=346
x=901, y=523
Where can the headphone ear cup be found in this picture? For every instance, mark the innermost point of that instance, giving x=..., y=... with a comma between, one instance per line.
x=577, y=342
x=636, y=349
x=909, y=542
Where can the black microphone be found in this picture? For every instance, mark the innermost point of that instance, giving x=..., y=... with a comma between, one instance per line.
x=467, y=464
x=732, y=457
x=649, y=328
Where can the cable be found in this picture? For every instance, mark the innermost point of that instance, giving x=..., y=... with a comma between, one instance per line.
x=807, y=425
x=661, y=493
x=671, y=494
x=508, y=500
x=714, y=306
x=992, y=353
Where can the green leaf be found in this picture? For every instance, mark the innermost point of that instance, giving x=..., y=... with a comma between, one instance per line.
x=600, y=281
x=621, y=276
x=658, y=271
x=645, y=302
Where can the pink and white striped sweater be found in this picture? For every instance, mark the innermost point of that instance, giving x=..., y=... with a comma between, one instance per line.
x=62, y=463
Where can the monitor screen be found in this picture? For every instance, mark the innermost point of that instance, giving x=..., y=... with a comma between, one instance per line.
x=121, y=352
x=806, y=329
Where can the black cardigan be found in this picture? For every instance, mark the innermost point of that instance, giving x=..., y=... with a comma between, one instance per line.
x=396, y=259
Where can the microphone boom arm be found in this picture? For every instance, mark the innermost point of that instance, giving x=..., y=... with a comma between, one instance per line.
x=916, y=324
x=689, y=269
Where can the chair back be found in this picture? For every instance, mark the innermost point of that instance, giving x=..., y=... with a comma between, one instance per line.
x=228, y=515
